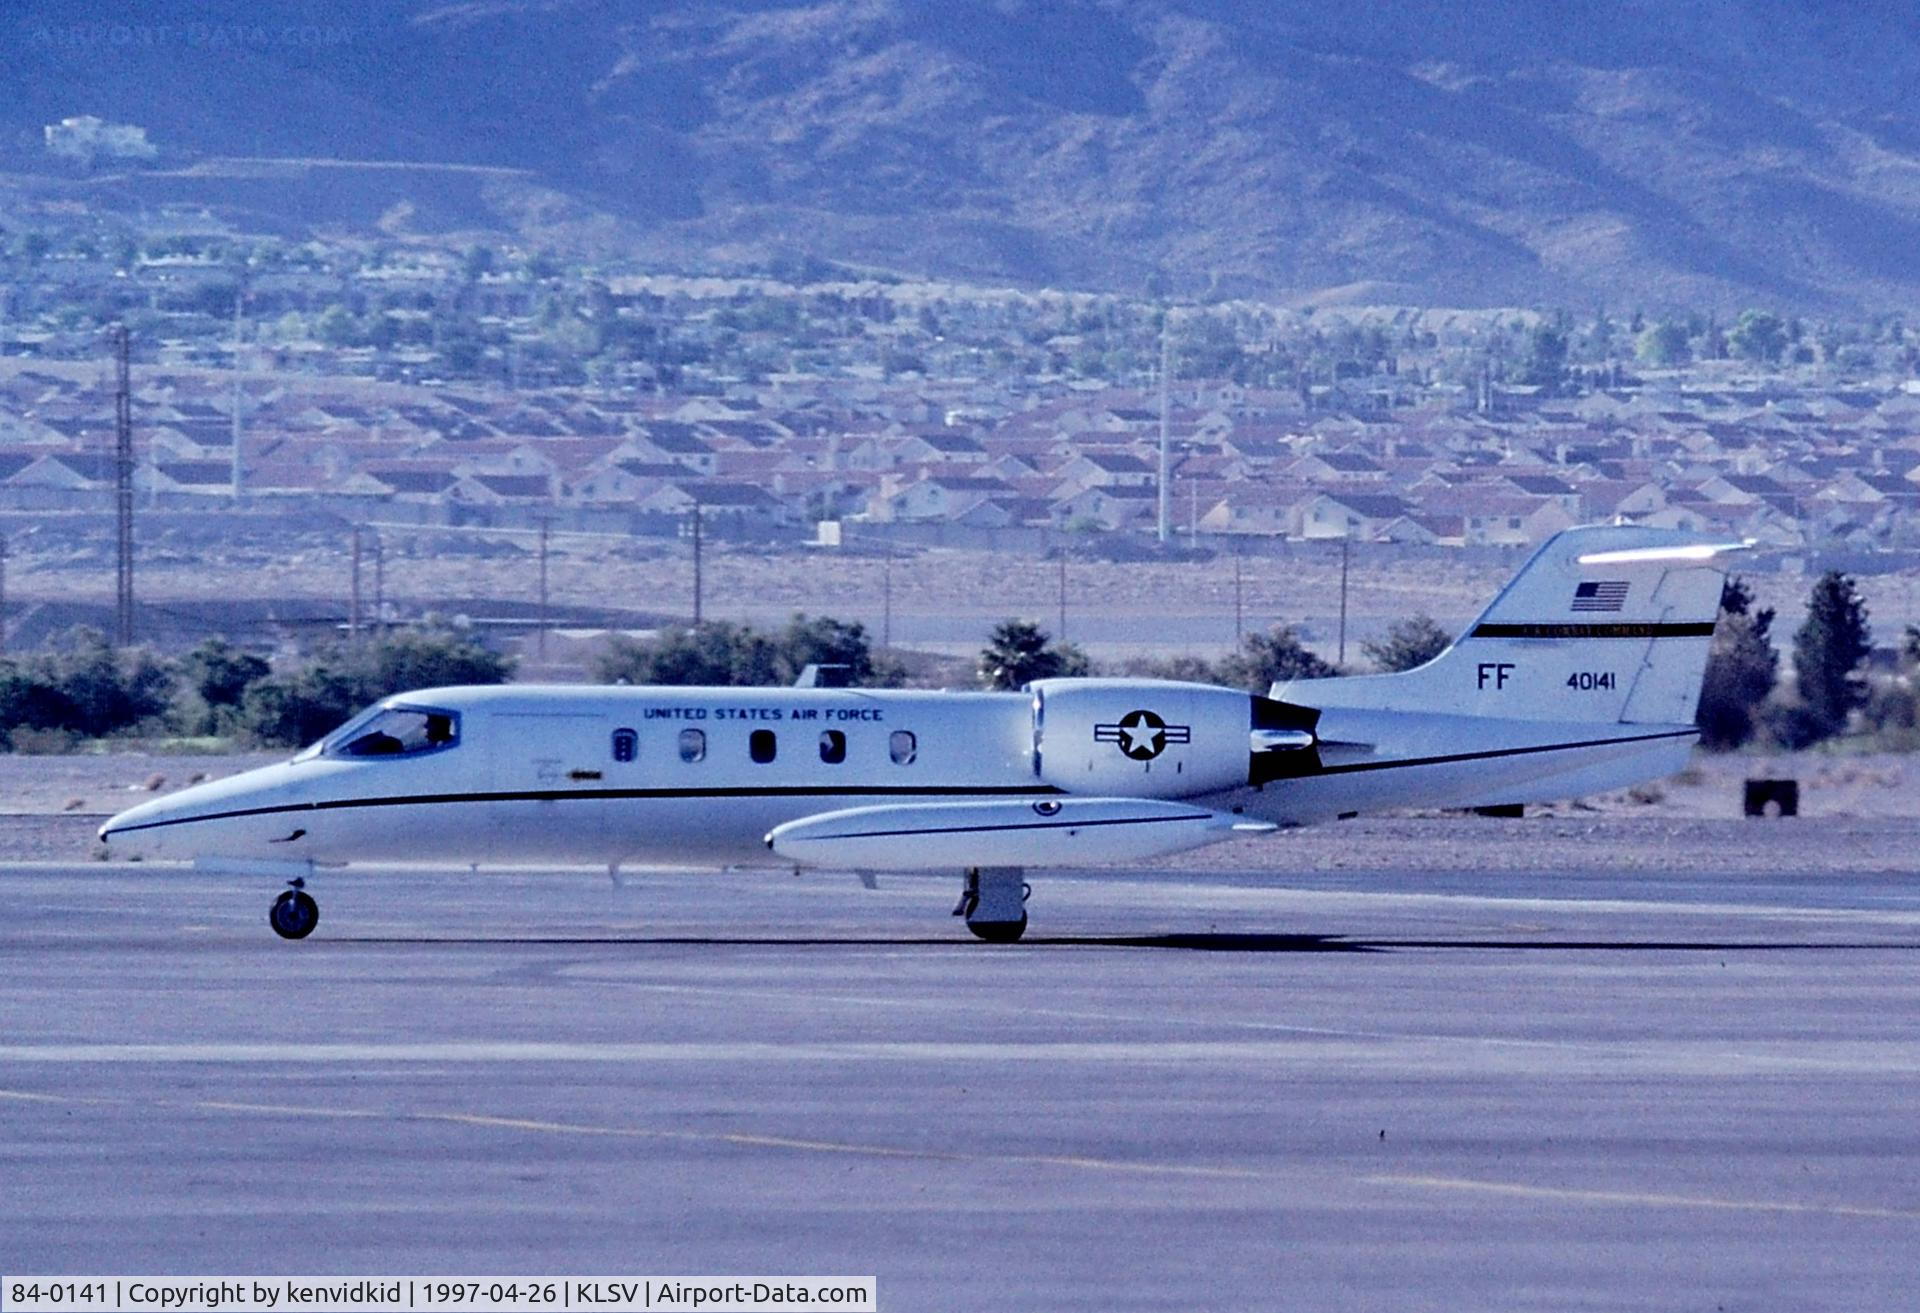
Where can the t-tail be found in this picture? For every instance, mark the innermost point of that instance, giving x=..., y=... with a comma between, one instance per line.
x=1583, y=675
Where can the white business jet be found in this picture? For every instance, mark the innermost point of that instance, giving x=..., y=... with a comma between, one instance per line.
x=1583, y=675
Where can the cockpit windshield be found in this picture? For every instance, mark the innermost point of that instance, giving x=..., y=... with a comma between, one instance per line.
x=395, y=732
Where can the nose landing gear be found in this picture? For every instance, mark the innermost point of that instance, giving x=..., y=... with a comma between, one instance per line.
x=994, y=903
x=294, y=913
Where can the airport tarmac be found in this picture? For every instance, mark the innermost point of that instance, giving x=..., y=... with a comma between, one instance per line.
x=1337, y=1088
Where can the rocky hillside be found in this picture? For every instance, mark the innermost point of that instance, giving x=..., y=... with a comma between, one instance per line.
x=1723, y=153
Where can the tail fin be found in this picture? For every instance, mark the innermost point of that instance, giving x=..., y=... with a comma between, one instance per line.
x=1603, y=624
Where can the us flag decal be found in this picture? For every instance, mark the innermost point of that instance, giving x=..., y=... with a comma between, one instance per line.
x=1600, y=595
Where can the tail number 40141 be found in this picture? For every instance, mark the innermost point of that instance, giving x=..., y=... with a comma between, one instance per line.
x=1588, y=680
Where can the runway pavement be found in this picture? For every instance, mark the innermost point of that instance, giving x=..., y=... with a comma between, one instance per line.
x=1352, y=1089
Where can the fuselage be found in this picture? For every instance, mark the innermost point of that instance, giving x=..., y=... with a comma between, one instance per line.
x=702, y=776
x=596, y=774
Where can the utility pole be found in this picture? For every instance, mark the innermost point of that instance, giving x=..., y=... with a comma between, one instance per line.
x=541, y=648
x=1345, y=545
x=1063, y=595
x=886, y=598
x=1236, y=595
x=234, y=476
x=353, y=603
x=1166, y=365
x=379, y=585
x=123, y=486
x=696, y=564
x=3, y=593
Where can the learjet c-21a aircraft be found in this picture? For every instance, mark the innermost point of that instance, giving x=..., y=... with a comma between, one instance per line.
x=1583, y=675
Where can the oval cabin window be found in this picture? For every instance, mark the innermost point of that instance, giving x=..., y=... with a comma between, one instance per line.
x=833, y=747
x=761, y=746
x=693, y=744
x=626, y=745
x=903, y=747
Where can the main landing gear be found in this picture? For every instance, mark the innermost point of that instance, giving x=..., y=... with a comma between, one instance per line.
x=995, y=903
x=294, y=913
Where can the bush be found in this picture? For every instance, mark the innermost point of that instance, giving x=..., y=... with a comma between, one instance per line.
x=721, y=654
x=85, y=690
x=1274, y=657
x=1741, y=670
x=1828, y=650
x=1020, y=651
x=1408, y=643
x=294, y=707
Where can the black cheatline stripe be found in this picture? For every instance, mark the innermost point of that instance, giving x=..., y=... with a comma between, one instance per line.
x=1492, y=753
x=557, y=795
x=824, y=791
x=1624, y=629
x=988, y=829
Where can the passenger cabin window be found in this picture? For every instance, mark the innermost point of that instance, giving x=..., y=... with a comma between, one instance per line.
x=398, y=732
x=693, y=744
x=833, y=747
x=903, y=747
x=626, y=745
x=761, y=746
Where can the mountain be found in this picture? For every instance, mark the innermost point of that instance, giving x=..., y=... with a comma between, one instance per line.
x=1484, y=152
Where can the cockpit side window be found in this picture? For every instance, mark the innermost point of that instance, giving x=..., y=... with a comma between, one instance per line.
x=397, y=732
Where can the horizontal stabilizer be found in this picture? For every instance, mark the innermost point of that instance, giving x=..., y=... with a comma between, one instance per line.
x=1048, y=832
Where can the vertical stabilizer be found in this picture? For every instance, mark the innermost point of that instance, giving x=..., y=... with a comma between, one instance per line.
x=1603, y=624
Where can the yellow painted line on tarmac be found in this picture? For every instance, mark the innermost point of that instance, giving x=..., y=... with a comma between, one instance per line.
x=1640, y=1199
x=739, y=1138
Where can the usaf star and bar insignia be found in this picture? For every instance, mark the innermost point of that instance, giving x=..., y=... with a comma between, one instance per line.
x=1142, y=735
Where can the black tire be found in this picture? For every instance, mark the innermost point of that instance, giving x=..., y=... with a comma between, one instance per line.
x=294, y=914
x=999, y=932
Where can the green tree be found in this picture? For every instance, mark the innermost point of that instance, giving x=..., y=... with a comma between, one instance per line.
x=824, y=641
x=1190, y=669
x=406, y=659
x=1664, y=346
x=1758, y=336
x=85, y=688
x=1408, y=643
x=1020, y=651
x=1828, y=650
x=336, y=327
x=1742, y=667
x=1546, y=365
x=1276, y=656
x=300, y=705
x=219, y=672
x=714, y=652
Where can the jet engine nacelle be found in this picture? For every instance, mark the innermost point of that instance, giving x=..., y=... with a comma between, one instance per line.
x=1151, y=738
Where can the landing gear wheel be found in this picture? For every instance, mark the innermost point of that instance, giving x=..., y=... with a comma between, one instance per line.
x=999, y=932
x=294, y=914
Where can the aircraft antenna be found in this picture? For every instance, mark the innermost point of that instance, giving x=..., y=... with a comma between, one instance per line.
x=123, y=486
